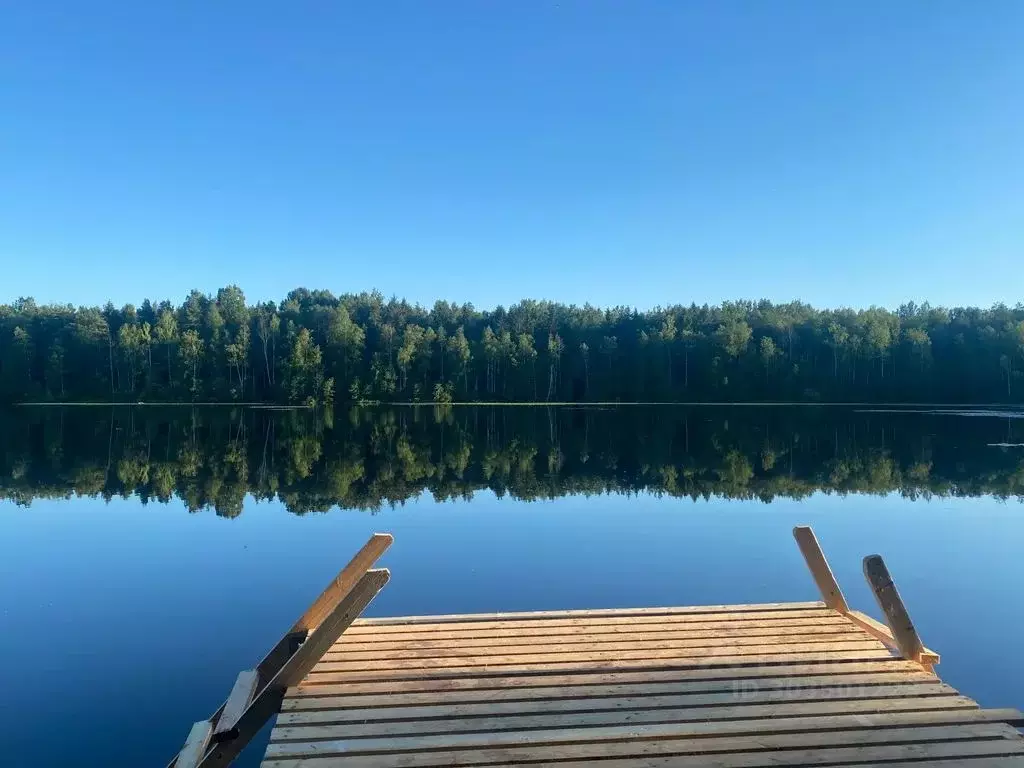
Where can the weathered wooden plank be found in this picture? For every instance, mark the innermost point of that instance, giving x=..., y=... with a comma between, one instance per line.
x=344, y=700
x=195, y=745
x=831, y=594
x=877, y=629
x=575, y=648
x=746, y=675
x=920, y=752
x=595, y=628
x=892, y=606
x=715, y=637
x=554, y=656
x=238, y=700
x=601, y=665
x=268, y=700
x=781, y=723
x=576, y=618
x=427, y=729
x=965, y=762
x=769, y=745
x=437, y=712
x=514, y=616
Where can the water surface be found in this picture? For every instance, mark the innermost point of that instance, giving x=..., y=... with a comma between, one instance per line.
x=149, y=554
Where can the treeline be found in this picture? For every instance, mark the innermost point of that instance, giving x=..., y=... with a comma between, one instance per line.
x=315, y=347
x=374, y=458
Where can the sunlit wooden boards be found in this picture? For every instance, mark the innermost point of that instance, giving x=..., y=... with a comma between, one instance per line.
x=756, y=685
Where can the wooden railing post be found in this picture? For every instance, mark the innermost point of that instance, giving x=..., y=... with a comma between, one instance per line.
x=820, y=570
x=895, y=612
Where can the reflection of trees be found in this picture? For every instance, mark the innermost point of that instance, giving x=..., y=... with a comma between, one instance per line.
x=373, y=458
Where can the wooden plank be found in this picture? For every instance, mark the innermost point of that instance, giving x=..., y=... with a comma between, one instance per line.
x=601, y=612
x=772, y=746
x=238, y=700
x=748, y=675
x=268, y=701
x=648, y=701
x=346, y=579
x=895, y=612
x=595, y=628
x=343, y=699
x=491, y=726
x=698, y=729
x=339, y=652
x=554, y=657
x=940, y=750
x=877, y=629
x=598, y=665
x=577, y=618
x=195, y=745
x=347, y=646
x=967, y=762
x=831, y=594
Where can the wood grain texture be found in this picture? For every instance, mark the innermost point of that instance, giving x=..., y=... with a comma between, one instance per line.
x=521, y=682
x=824, y=721
x=771, y=746
x=747, y=686
x=878, y=630
x=491, y=726
x=570, y=619
x=556, y=648
x=831, y=594
x=666, y=661
x=895, y=612
x=343, y=583
x=643, y=703
x=238, y=701
x=589, y=633
x=591, y=613
x=195, y=744
x=343, y=699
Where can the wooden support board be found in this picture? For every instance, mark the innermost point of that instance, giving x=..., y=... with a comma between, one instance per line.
x=753, y=685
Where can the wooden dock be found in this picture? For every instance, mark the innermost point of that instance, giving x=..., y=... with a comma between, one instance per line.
x=794, y=684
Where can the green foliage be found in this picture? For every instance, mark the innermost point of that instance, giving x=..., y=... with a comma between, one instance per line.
x=443, y=394
x=219, y=348
x=376, y=457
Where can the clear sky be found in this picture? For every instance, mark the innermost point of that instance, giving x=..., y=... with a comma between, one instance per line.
x=618, y=152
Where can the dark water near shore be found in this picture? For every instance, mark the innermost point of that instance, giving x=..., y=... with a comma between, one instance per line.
x=146, y=555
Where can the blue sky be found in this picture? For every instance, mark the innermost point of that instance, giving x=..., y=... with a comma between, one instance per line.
x=641, y=153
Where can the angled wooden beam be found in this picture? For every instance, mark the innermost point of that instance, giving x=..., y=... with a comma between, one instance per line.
x=325, y=603
x=878, y=630
x=819, y=568
x=903, y=631
x=268, y=701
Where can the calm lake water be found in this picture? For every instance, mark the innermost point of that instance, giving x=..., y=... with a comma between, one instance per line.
x=150, y=554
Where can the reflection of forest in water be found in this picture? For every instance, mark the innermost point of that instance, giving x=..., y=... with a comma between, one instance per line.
x=369, y=458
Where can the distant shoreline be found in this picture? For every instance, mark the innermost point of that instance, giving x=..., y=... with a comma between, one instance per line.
x=540, y=404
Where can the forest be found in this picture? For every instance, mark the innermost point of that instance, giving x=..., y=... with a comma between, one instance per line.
x=318, y=348
x=378, y=457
